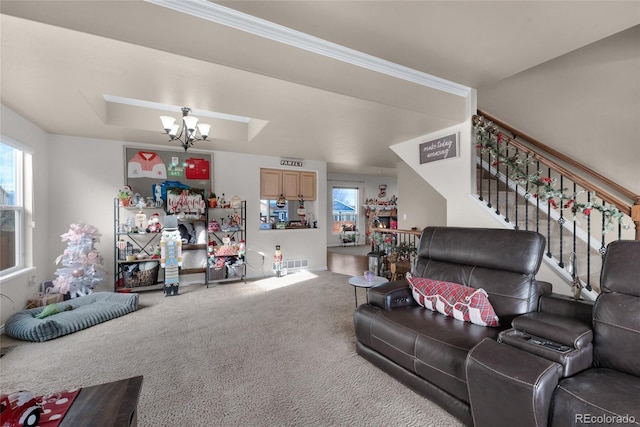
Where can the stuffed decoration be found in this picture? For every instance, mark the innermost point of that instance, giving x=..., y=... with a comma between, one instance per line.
x=153, y=226
x=187, y=233
x=277, y=261
x=213, y=226
x=52, y=309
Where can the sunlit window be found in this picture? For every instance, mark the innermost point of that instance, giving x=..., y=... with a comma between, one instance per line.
x=12, y=209
x=271, y=212
x=345, y=209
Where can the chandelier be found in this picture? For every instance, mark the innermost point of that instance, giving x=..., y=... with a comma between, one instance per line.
x=190, y=131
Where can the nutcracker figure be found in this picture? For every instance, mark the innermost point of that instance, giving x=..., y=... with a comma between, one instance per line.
x=277, y=261
x=171, y=255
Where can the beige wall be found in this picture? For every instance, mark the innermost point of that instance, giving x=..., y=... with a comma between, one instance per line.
x=420, y=205
x=585, y=104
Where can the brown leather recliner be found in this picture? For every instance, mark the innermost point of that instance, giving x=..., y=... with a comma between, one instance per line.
x=609, y=392
x=427, y=350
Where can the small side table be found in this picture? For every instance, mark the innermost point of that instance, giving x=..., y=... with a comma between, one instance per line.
x=106, y=405
x=361, y=282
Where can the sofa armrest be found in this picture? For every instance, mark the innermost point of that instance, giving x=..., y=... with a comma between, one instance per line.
x=544, y=288
x=564, y=330
x=392, y=295
x=564, y=340
x=566, y=306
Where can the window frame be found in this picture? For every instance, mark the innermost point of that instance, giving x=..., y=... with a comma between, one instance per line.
x=23, y=187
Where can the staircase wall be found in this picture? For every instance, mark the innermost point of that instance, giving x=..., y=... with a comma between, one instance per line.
x=455, y=180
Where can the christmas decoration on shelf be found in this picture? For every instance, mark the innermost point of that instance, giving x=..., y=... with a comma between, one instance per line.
x=82, y=267
x=277, y=261
x=490, y=140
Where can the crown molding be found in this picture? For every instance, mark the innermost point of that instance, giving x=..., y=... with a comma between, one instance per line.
x=222, y=15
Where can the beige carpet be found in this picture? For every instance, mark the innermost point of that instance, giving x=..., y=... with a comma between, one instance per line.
x=274, y=352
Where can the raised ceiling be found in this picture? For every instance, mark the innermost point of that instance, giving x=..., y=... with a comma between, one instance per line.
x=60, y=58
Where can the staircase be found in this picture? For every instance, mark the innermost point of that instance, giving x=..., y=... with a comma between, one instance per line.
x=530, y=186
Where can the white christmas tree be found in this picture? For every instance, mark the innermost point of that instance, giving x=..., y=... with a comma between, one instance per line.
x=82, y=263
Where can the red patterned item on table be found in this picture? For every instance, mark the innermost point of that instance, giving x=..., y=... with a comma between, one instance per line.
x=55, y=406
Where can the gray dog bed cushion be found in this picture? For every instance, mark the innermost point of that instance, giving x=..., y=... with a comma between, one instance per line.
x=88, y=310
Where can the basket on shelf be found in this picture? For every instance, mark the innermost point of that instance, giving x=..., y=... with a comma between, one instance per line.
x=141, y=278
x=217, y=274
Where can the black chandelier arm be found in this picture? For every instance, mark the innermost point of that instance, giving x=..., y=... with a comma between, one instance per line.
x=184, y=135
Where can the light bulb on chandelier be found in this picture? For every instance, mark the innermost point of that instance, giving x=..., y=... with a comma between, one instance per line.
x=190, y=131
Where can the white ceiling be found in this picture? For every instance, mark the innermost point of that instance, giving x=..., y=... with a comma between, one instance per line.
x=59, y=59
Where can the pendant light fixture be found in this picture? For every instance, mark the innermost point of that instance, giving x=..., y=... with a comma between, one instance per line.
x=189, y=132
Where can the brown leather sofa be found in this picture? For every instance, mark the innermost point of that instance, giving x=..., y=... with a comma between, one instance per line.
x=426, y=350
x=553, y=361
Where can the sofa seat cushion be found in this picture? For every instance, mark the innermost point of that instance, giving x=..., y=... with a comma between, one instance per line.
x=603, y=395
x=424, y=342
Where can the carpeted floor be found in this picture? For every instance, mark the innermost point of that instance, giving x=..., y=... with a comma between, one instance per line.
x=274, y=352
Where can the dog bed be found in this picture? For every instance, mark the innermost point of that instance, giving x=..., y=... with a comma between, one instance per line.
x=86, y=311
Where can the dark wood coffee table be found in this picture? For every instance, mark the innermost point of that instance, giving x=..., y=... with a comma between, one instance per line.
x=106, y=405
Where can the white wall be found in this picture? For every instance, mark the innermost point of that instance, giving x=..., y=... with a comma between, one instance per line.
x=239, y=174
x=454, y=179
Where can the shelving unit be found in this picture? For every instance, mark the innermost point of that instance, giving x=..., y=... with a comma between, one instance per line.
x=227, y=259
x=201, y=247
x=134, y=242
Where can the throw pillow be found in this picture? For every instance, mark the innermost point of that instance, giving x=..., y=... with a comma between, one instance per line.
x=454, y=300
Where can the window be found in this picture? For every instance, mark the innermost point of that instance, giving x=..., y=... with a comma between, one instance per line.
x=270, y=213
x=345, y=208
x=13, y=164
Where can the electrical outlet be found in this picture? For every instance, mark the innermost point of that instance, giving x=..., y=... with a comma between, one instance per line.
x=32, y=281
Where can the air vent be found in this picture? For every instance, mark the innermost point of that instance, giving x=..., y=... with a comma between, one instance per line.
x=294, y=264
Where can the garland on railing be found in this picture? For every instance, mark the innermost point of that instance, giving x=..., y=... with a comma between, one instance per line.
x=386, y=243
x=490, y=140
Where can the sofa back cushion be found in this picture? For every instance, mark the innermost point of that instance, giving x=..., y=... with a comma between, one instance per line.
x=616, y=322
x=502, y=262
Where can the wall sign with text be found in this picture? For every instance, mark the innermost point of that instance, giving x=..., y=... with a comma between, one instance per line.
x=439, y=149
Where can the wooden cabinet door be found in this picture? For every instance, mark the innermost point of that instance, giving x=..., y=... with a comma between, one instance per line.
x=307, y=185
x=270, y=183
x=290, y=184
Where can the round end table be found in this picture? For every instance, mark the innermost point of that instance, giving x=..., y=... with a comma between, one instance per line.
x=361, y=282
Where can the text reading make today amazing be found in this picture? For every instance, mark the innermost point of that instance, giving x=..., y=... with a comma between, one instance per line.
x=438, y=149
